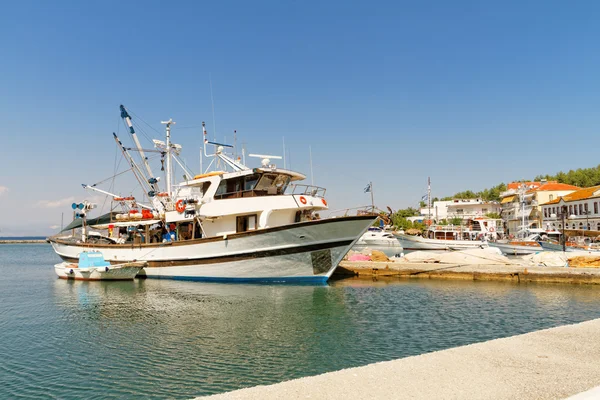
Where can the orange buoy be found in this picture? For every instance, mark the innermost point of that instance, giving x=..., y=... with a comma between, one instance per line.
x=302, y=199
x=179, y=206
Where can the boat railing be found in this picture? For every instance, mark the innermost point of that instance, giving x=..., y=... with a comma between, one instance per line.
x=307, y=190
x=344, y=212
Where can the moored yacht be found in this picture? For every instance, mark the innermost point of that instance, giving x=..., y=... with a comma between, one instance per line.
x=473, y=234
x=240, y=224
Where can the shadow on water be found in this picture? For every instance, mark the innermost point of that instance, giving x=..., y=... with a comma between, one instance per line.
x=177, y=339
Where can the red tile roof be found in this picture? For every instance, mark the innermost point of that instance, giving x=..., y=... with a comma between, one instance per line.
x=550, y=186
x=577, y=195
x=516, y=185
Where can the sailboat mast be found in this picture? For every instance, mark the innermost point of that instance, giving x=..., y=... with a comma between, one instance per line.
x=169, y=172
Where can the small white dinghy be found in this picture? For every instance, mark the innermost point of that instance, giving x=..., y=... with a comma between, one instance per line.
x=93, y=267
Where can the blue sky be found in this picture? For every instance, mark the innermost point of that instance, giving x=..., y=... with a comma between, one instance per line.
x=471, y=93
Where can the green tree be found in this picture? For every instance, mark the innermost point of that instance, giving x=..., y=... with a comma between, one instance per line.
x=455, y=220
x=493, y=215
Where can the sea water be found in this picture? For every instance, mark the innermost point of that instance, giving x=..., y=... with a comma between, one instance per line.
x=173, y=339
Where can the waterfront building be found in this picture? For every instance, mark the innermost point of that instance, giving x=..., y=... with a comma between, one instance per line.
x=582, y=211
x=522, y=201
x=465, y=209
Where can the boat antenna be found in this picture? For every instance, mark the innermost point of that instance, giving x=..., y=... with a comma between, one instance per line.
x=235, y=155
x=219, y=153
x=312, y=180
x=283, y=140
x=244, y=153
x=212, y=101
x=169, y=171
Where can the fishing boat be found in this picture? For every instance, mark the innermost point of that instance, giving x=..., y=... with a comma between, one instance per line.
x=528, y=245
x=569, y=247
x=233, y=223
x=93, y=267
x=410, y=242
x=474, y=233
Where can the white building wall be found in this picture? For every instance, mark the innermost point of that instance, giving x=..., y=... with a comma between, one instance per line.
x=574, y=218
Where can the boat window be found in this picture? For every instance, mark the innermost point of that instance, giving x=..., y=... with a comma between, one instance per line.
x=281, y=183
x=250, y=182
x=273, y=184
x=246, y=223
x=205, y=187
x=266, y=182
x=229, y=188
x=222, y=189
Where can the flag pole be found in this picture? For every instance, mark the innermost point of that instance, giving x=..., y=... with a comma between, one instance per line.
x=372, y=202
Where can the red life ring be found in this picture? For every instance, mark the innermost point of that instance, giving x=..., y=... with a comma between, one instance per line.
x=302, y=199
x=324, y=202
x=491, y=229
x=179, y=206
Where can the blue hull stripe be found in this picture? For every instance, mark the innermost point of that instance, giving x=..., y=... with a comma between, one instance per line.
x=290, y=279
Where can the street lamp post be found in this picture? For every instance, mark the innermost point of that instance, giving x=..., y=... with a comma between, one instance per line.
x=587, y=220
x=563, y=212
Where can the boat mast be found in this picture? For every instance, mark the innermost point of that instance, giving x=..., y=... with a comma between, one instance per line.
x=429, y=198
x=139, y=175
x=522, y=198
x=125, y=115
x=169, y=172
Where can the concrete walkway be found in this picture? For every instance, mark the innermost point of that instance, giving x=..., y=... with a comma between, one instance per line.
x=548, y=364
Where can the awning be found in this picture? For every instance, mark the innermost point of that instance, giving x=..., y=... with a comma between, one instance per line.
x=103, y=219
x=508, y=199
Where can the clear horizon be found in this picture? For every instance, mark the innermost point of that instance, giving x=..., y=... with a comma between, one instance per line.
x=470, y=94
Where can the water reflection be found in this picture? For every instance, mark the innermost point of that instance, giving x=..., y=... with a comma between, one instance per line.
x=176, y=339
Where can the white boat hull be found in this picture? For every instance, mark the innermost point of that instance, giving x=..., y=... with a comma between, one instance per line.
x=515, y=249
x=419, y=243
x=570, y=249
x=67, y=270
x=302, y=252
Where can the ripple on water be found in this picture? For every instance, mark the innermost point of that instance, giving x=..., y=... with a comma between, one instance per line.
x=169, y=339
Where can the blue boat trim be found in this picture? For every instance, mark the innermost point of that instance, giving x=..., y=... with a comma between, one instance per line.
x=282, y=280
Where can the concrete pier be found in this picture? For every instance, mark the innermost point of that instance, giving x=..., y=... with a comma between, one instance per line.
x=502, y=272
x=549, y=364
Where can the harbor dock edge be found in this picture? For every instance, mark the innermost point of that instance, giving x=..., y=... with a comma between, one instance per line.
x=553, y=363
x=501, y=272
